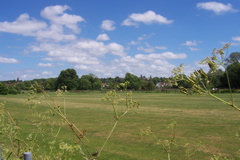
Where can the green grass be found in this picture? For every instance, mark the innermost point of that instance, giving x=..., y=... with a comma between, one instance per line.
x=199, y=119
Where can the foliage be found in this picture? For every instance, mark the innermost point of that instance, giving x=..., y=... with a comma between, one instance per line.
x=233, y=71
x=84, y=84
x=134, y=81
x=13, y=90
x=67, y=78
x=3, y=89
x=216, y=78
x=89, y=82
x=233, y=58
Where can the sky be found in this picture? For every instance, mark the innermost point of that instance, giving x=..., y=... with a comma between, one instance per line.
x=108, y=38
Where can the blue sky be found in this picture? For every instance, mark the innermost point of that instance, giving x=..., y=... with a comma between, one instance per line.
x=109, y=38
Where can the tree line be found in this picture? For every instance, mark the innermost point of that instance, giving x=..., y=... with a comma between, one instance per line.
x=70, y=79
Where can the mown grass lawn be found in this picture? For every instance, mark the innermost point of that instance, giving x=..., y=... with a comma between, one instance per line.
x=199, y=119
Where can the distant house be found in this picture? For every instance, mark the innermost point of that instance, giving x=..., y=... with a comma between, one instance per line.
x=162, y=84
x=104, y=85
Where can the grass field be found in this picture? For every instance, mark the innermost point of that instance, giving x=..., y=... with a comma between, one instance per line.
x=199, y=119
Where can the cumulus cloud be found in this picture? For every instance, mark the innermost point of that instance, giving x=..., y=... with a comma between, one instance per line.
x=8, y=60
x=150, y=49
x=216, y=7
x=236, y=38
x=23, y=25
x=57, y=16
x=145, y=36
x=190, y=43
x=193, y=49
x=134, y=43
x=45, y=65
x=148, y=17
x=103, y=37
x=108, y=25
x=46, y=73
x=164, y=55
x=79, y=52
x=27, y=26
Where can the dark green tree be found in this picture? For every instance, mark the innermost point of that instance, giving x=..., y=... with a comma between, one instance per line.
x=67, y=78
x=20, y=86
x=3, y=89
x=144, y=84
x=89, y=82
x=234, y=74
x=84, y=84
x=234, y=57
x=134, y=81
x=12, y=90
x=27, y=85
x=50, y=84
x=150, y=85
x=215, y=78
x=184, y=83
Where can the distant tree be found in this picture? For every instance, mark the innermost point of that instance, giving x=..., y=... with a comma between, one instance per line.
x=134, y=81
x=150, y=85
x=50, y=84
x=3, y=89
x=84, y=84
x=215, y=78
x=90, y=81
x=234, y=74
x=12, y=90
x=67, y=78
x=234, y=57
x=97, y=84
x=184, y=83
x=20, y=86
x=27, y=85
x=156, y=80
x=118, y=79
x=144, y=84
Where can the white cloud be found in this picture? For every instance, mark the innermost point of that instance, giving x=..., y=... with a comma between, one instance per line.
x=57, y=16
x=236, y=38
x=8, y=60
x=116, y=49
x=62, y=26
x=145, y=36
x=190, y=43
x=103, y=37
x=193, y=49
x=164, y=55
x=148, y=17
x=216, y=7
x=150, y=49
x=80, y=52
x=108, y=25
x=46, y=73
x=147, y=64
x=45, y=65
x=24, y=25
x=147, y=50
x=134, y=43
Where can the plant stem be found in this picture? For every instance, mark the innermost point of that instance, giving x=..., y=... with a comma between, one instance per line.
x=229, y=86
x=169, y=157
x=110, y=134
x=221, y=100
